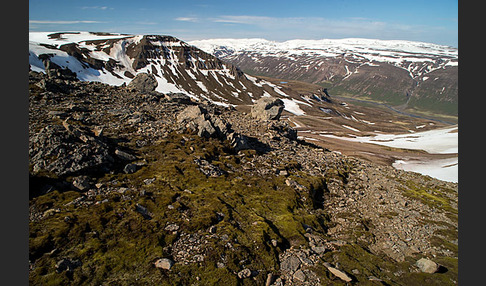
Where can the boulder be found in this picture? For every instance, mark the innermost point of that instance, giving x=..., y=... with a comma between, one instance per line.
x=221, y=126
x=190, y=113
x=54, y=71
x=427, y=265
x=64, y=150
x=178, y=97
x=143, y=82
x=164, y=263
x=205, y=129
x=82, y=183
x=239, y=141
x=267, y=108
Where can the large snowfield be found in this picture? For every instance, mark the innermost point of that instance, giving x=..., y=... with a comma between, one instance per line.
x=437, y=141
x=442, y=169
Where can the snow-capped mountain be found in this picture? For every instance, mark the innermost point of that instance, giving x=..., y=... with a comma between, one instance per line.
x=116, y=59
x=420, y=75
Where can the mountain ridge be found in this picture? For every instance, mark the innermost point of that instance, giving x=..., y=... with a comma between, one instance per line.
x=116, y=59
x=413, y=75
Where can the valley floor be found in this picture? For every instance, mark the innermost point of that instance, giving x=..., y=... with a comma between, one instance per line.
x=402, y=151
x=379, y=133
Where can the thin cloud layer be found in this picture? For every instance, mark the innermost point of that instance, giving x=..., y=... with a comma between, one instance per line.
x=62, y=22
x=312, y=27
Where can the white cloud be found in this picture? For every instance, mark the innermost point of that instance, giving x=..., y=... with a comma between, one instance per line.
x=62, y=22
x=250, y=20
x=186, y=19
x=96, y=8
x=286, y=28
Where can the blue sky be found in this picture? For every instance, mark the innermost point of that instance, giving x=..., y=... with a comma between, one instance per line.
x=416, y=20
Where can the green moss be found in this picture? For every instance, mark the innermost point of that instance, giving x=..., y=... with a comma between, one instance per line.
x=446, y=244
x=435, y=197
x=117, y=245
x=354, y=257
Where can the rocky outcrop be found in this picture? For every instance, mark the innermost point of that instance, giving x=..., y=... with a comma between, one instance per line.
x=64, y=151
x=198, y=120
x=143, y=82
x=267, y=108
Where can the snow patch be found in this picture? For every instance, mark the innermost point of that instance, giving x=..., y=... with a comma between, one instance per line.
x=292, y=106
x=437, y=141
x=350, y=128
x=442, y=169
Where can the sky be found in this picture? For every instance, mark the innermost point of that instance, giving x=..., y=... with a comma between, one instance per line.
x=432, y=21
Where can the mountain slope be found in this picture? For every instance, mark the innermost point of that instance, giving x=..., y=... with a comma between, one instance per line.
x=124, y=191
x=411, y=74
x=116, y=59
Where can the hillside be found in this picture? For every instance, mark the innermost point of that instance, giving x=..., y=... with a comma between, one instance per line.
x=133, y=186
x=414, y=76
x=117, y=59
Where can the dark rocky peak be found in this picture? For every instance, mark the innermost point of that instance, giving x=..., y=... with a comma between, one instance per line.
x=82, y=54
x=153, y=47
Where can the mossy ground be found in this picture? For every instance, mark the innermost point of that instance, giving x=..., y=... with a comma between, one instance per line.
x=117, y=245
x=366, y=265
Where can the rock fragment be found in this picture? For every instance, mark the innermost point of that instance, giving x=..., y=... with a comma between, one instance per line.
x=338, y=273
x=300, y=275
x=68, y=265
x=245, y=273
x=291, y=263
x=124, y=155
x=130, y=168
